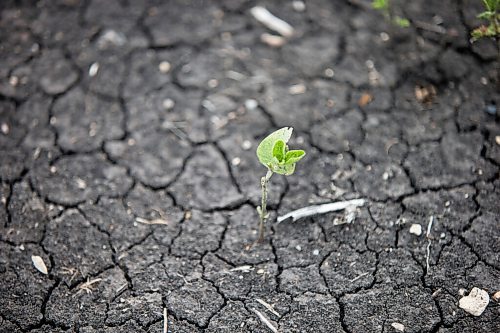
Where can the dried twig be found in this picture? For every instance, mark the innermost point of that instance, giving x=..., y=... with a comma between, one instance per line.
x=359, y=277
x=244, y=268
x=165, y=320
x=269, y=307
x=154, y=221
x=265, y=321
x=427, y=235
x=321, y=209
x=121, y=288
x=265, y=17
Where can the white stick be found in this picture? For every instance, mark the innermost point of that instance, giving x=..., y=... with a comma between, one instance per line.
x=428, y=250
x=272, y=22
x=165, y=320
x=265, y=321
x=321, y=209
x=269, y=307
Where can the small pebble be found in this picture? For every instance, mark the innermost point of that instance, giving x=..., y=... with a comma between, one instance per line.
x=298, y=248
x=496, y=296
x=316, y=252
x=81, y=183
x=299, y=6
x=246, y=145
x=447, y=204
x=476, y=302
x=251, y=104
x=297, y=89
x=213, y=83
x=329, y=72
x=14, y=81
x=443, y=235
x=384, y=36
x=94, y=68
x=497, y=139
x=260, y=271
x=491, y=109
x=416, y=229
x=168, y=104
x=164, y=67
x=5, y=128
x=398, y=327
x=236, y=161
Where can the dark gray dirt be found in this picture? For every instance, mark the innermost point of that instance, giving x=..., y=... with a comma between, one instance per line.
x=117, y=114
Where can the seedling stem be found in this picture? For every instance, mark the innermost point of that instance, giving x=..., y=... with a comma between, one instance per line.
x=263, y=206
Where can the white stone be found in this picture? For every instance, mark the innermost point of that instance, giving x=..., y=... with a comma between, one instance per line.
x=246, y=145
x=164, y=67
x=251, y=104
x=168, y=104
x=299, y=6
x=416, y=229
x=476, y=302
x=398, y=327
x=94, y=68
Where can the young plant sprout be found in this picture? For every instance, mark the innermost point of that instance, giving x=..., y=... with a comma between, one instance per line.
x=491, y=13
x=273, y=153
x=385, y=7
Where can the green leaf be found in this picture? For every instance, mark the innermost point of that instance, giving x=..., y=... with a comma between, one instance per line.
x=402, y=22
x=293, y=156
x=279, y=150
x=265, y=148
x=380, y=4
x=491, y=5
x=486, y=15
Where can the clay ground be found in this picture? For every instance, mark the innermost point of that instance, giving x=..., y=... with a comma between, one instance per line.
x=118, y=114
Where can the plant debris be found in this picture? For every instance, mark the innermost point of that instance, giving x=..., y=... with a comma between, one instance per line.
x=320, y=209
x=265, y=321
x=39, y=264
x=269, y=307
x=274, y=23
x=153, y=221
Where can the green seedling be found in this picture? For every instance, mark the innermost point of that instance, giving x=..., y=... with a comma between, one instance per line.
x=385, y=7
x=274, y=154
x=491, y=13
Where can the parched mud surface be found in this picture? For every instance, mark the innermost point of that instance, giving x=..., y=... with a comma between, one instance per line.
x=118, y=114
